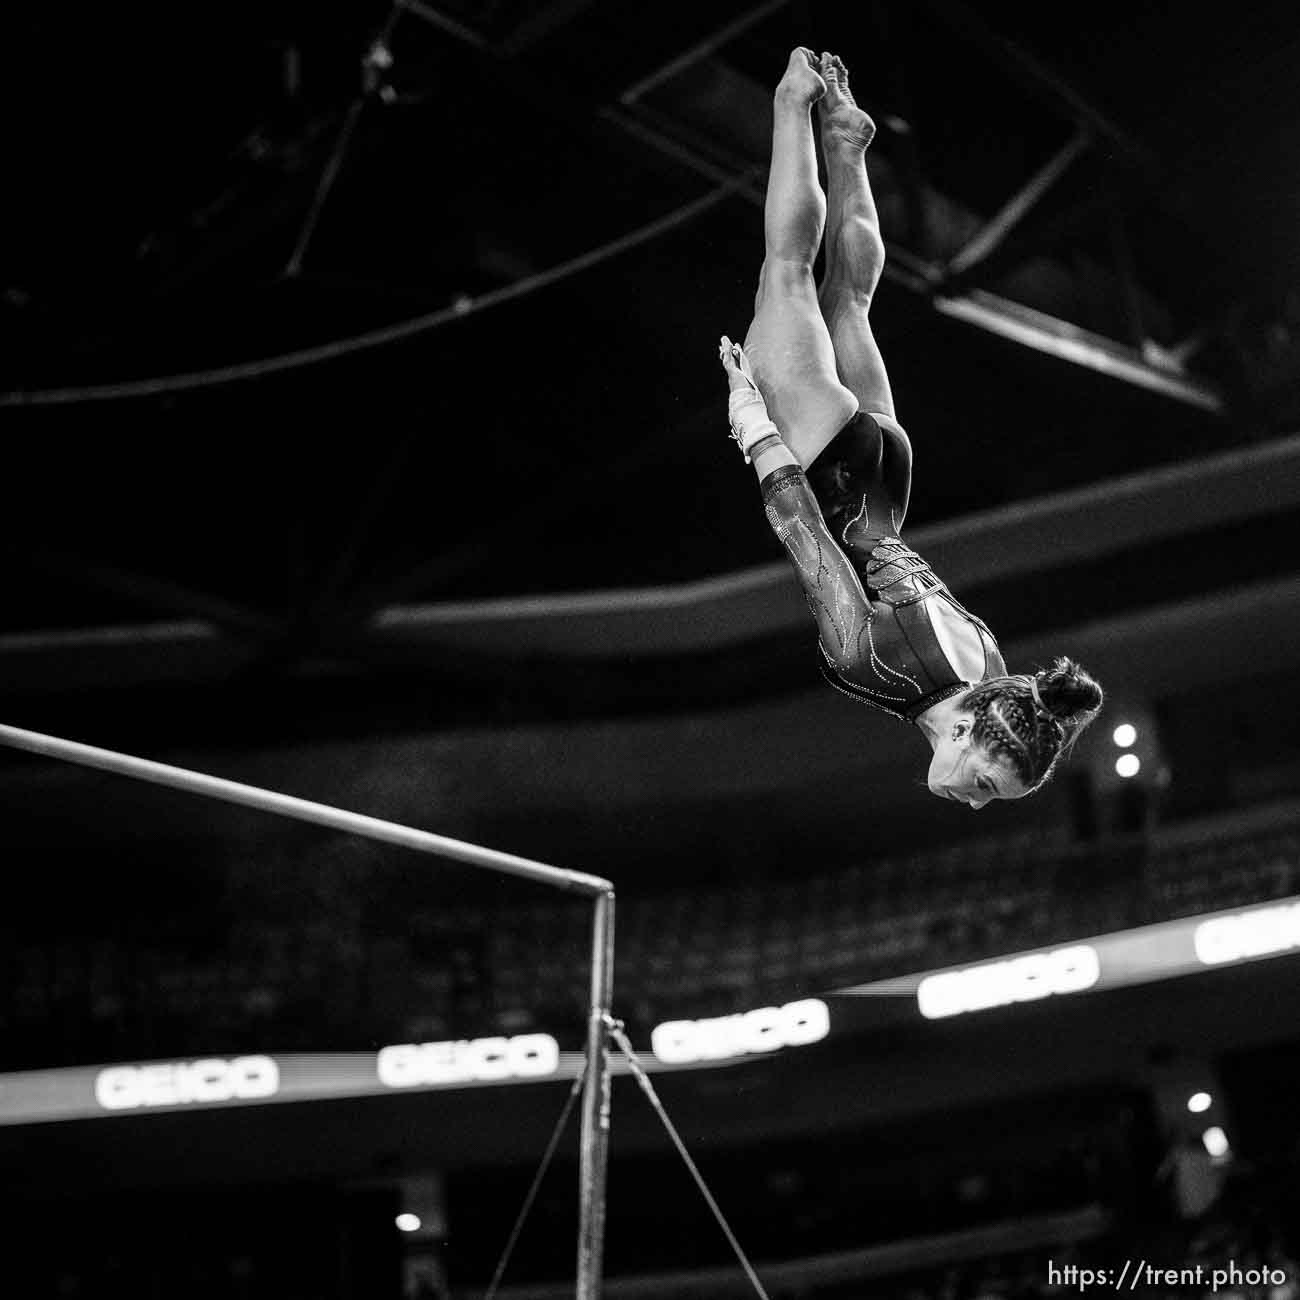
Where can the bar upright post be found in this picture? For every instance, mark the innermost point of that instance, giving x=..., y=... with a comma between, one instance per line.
x=595, y=1104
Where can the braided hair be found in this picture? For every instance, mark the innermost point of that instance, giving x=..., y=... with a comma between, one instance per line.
x=1033, y=721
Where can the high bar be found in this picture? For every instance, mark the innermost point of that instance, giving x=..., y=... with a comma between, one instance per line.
x=251, y=796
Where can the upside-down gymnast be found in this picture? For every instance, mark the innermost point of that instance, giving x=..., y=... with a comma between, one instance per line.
x=809, y=392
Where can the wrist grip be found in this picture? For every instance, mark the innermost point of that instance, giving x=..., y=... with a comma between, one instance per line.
x=750, y=422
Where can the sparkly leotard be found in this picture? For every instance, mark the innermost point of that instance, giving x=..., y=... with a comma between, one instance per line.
x=875, y=599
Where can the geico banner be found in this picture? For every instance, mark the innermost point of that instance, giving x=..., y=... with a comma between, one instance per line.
x=1257, y=933
x=677, y=1042
x=476, y=1060
x=1021, y=979
x=186, y=1083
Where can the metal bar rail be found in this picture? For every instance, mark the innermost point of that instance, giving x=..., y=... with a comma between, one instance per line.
x=596, y=1091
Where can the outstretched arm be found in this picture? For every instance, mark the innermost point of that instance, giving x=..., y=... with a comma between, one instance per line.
x=830, y=585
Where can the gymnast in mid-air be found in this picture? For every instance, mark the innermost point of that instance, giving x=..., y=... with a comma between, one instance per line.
x=811, y=407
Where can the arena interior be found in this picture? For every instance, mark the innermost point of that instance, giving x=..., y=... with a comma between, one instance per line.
x=365, y=440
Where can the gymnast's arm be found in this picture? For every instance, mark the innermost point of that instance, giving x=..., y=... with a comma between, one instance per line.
x=830, y=585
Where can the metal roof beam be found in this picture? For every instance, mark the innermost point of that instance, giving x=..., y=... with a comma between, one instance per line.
x=1058, y=338
x=1014, y=211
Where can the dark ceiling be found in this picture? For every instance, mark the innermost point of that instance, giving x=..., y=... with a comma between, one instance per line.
x=190, y=191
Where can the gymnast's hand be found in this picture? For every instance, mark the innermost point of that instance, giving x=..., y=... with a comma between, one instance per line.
x=740, y=377
x=746, y=410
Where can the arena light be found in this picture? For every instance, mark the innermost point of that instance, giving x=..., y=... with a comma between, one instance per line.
x=1216, y=1142
x=1128, y=765
x=1124, y=735
x=408, y=1222
x=1199, y=1102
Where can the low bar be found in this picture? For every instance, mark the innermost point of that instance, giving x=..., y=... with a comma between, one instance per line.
x=251, y=796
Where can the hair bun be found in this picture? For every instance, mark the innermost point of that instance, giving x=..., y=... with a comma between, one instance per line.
x=1068, y=692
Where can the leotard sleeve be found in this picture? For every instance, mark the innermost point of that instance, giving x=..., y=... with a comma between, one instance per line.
x=831, y=587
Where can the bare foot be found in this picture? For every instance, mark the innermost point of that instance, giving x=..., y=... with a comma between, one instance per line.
x=842, y=121
x=802, y=83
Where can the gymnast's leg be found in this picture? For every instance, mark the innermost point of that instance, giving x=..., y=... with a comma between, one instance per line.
x=855, y=258
x=855, y=251
x=788, y=344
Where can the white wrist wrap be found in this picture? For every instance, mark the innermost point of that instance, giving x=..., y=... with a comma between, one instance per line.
x=750, y=422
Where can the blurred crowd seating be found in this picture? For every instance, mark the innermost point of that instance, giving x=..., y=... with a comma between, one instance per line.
x=1241, y=1249
x=332, y=971
x=1237, y=1251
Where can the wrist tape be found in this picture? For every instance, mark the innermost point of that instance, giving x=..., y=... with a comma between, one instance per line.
x=750, y=422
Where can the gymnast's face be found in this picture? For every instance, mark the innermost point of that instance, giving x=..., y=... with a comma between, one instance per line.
x=965, y=772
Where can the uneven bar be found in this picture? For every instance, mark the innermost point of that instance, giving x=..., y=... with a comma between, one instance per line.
x=251, y=796
x=596, y=1090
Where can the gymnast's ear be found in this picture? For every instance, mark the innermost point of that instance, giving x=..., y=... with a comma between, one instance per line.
x=962, y=726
